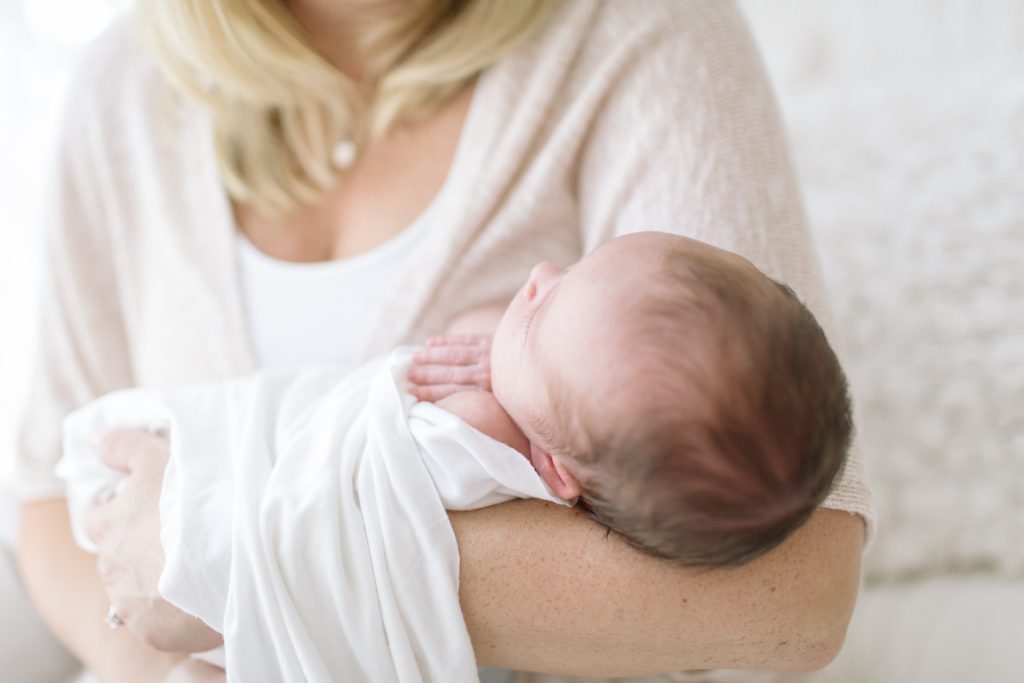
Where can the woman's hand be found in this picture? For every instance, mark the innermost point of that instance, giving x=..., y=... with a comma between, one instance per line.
x=126, y=529
x=449, y=364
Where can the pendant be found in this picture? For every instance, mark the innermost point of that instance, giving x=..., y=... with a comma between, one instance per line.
x=344, y=154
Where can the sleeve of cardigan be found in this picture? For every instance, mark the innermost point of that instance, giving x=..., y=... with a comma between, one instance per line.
x=81, y=350
x=688, y=139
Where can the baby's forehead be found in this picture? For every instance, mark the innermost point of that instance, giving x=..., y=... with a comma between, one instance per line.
x=619, y=370
x=626, y=398
x=647, y=298
x=652, y=276
x=622, y=297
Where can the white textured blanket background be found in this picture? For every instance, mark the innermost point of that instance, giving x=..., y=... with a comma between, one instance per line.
x=907, y=123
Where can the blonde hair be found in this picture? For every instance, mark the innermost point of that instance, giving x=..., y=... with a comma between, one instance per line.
x=280, y=107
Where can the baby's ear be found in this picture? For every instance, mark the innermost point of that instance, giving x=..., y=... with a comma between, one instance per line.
x=554, y=473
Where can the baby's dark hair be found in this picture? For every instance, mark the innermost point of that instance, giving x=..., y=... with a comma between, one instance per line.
x=743, y=424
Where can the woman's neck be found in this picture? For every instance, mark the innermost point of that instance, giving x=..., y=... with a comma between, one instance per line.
x=334, y=27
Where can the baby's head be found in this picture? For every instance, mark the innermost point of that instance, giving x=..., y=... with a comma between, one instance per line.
x=692, y=403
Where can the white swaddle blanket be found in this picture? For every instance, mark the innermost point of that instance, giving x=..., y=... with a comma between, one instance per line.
x=303, y=516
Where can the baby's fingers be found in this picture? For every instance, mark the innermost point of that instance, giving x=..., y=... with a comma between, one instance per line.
x=452, y=354
x=434, y=392
x=482, y=341
x=478, y=376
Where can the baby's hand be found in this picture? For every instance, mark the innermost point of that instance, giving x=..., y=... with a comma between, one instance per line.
x=448, y=364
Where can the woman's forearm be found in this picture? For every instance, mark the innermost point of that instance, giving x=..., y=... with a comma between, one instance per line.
x=545, y=589
x=64, y=585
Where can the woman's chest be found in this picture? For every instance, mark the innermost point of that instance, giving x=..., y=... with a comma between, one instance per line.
x=196, y=313
x=504, y=207
x=388, y=186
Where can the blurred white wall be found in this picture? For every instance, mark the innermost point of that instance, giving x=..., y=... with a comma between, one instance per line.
x=808, y=44
x=907, y=126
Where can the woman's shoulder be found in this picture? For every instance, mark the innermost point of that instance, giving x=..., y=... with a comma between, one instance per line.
x=593, y=54
x=613, y=27
x=112, y=71
x=657, y=17
x=113, y=47
x=121, y=118
x=118, y=106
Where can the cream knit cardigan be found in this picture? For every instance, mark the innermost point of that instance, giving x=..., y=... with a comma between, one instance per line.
x=621, y=116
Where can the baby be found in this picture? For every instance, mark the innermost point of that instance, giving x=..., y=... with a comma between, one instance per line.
x=686, y=400
x=691, y=403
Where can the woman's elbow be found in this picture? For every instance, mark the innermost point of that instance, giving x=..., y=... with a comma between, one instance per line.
x=825, y=594
x=820, y=650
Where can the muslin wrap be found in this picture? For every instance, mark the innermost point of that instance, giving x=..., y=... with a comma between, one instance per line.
x=303, y=516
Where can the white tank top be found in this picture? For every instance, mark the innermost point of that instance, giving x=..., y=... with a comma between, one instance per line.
x=316, y=313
